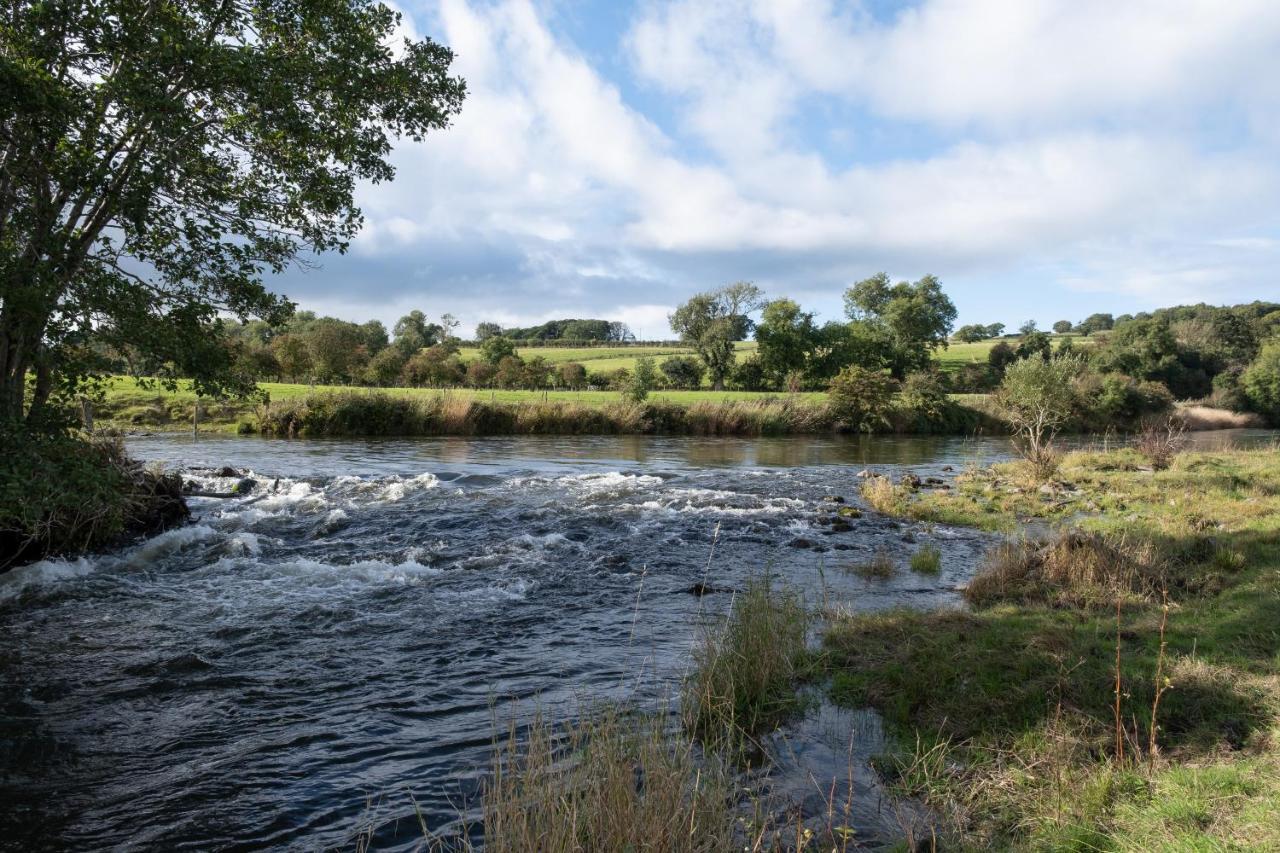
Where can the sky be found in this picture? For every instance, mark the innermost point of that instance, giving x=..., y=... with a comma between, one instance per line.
x=1045, y=159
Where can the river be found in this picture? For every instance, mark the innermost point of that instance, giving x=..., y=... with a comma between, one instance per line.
x=336, y=647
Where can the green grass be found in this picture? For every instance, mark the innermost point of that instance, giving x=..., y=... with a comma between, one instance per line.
x=1005, y=713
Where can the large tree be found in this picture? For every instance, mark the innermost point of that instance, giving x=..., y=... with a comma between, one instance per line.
x=788, y=339
x=914, y=318
x=712, y=321
x=157, y=160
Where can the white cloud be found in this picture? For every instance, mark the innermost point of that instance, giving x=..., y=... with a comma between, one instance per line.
x=1051, y=128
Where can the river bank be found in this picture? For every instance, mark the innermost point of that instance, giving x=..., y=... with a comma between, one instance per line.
x=297, y=412
x=1116, y=686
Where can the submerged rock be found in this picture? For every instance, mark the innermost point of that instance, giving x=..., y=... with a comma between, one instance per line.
x=244, y=486
x=835, y=499
x=700, y=589
x=849, y=512
x=801, y=542
x=226, y=471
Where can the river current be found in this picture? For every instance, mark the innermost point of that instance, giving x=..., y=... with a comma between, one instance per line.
x=335, y=649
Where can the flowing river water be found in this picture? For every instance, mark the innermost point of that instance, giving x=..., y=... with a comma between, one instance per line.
x=336, y=649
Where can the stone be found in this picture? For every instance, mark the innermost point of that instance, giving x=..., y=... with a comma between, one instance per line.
x=226, y=471
x=244, y=486
x=835, y=499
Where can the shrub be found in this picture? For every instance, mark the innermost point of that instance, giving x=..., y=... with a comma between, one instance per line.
x=861, y=398
x=1160, y=440
x=1037, y=399
x=60, y=494
x=748, y=375
x=924, y=394
x=683, y=371
x=641, y=382
x=1261, y=383
x=571, y=375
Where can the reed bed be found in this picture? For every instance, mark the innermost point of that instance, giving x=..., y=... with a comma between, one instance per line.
x=380, y=413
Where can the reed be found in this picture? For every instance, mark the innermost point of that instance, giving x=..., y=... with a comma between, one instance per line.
x=927, y=560
x=880, y=567
x=614, y=781
x=746, y=667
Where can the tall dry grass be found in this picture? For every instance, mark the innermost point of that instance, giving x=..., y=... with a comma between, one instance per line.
x=612, y=782
x=746, y=667
x=1081, y=569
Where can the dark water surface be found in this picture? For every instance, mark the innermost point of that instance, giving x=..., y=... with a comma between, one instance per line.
x=349, y=633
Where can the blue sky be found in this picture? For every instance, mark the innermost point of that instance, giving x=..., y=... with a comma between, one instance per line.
x=1045, y=159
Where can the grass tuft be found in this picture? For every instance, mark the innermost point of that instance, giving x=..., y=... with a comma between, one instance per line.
x=927, y=560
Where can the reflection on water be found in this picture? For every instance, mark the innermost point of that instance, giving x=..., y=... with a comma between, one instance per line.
x=344, y=632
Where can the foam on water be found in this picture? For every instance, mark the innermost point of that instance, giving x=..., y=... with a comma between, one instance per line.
x=34, y=575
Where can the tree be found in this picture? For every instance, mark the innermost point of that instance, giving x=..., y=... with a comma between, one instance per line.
x=412, y=333
x=915, y=319
x=1096, y=323
x=159, y=159
x=712, y=321
x=385, y=368
x=683, y=372
x=570, y=374
x=787, y=337
x=484, y=331
x=333, y=347
x=972, y=333
x=293, y=355
x=860, y=398
x=494, y=350
x=1261, y=382
x=435, y=367
x=374, y=335
x=1062, y=327
x=641, y=381
x=995, y=330
x=1037, y=398
x=1028, y=328
x=1034, y=343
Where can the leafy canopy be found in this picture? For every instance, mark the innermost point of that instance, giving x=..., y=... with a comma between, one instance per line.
x=159, y=159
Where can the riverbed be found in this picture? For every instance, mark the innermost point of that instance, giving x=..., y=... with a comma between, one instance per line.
x=335, y=648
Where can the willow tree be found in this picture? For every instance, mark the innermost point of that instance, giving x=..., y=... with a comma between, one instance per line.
x=159, y=159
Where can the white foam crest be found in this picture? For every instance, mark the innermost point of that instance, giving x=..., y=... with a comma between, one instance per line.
x=514, y=590
x=408, y=573
x=41, y=573
x=168, y=542
x=245, y=542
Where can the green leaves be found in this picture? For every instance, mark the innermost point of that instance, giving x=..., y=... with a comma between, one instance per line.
x=161, y=159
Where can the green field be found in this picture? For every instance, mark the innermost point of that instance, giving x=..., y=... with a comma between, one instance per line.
x=604, y=359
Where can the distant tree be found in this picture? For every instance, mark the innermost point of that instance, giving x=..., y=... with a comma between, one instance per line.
x=1028, y=328
x=484, y=331
x=159, y=159
x=787, y=337
x=711, y=322
x=1261, y=382
x=1062, y=327
x=619, y=332
x=509, y=372
x=972, y=333
x=293, y=355
x=336, y=349
x=683, y=371
x=1001, y=356
x=385, y=368
x=861, y=398
x=495, y=349
x=572, y=375
x=374, y=335
x=642, y=380
x=434, y=367
x=448, y=328
x=1096, y=323
x=1034, y=343
x=995, y=330
x=480, y=374
x=412, y=333
x=915, y=319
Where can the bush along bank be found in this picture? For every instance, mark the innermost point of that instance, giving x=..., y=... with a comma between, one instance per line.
x=1113, y=687
x=383, y=414
x=62, y=494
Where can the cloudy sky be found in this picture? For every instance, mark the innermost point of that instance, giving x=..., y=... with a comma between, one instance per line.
x=1045, y=159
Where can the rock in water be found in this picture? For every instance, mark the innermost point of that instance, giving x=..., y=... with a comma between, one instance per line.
x=244, y=486
x=226, y=471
